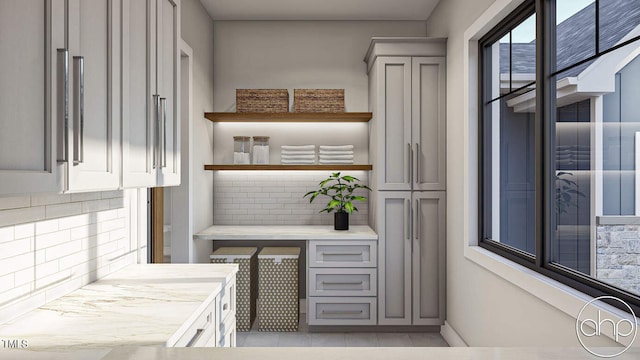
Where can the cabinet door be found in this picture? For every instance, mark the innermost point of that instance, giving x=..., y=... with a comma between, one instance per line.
x=393, y=123
x=139, y=88
x=30, y=93
x=169, y=101
x=394, y=258
x=429, y=258
x=94, y=125
x=429, y=123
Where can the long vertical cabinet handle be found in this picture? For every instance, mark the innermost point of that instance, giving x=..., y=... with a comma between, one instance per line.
x=163, y=138
x=78, y=114
x=156, y=116
x=410, y=160
x=408, y=219
x=417, y=163
x=63, y=105
x=417, y=220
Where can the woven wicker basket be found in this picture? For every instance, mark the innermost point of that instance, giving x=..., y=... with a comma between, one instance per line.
x=318, y=100
x=262, y=100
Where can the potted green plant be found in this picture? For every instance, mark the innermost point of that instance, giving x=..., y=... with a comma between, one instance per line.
x=340, y=191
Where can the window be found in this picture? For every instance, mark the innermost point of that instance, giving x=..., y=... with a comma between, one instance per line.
x=560, y=143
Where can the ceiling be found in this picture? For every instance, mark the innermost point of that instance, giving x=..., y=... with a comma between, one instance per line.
x=319, y=9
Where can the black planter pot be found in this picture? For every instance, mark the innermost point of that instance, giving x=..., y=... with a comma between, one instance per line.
x=341, y=221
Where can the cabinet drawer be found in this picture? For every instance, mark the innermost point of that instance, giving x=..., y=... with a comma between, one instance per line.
x=342, y=311
x=345, y=253
x=342, y=282
x=201, y=330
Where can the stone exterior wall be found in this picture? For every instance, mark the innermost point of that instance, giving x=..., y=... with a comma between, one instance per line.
x=618, y=256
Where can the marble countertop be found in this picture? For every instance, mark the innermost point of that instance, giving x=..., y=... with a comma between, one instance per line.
x=285, y=232
x=416, y=353
x=140, y=305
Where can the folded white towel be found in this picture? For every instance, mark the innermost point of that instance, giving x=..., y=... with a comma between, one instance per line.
x=336, y=152
x=297, y=162
x=297, y=157
x=336, y=147
x=295, y=152
x=322, y=161
x=298, y=147
x=336, y=157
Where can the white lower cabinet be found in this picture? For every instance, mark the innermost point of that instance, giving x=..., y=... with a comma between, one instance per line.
x=342, y=282
x=202, y=329
x=226, y=329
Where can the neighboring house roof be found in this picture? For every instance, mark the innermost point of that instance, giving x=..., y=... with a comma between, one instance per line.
x=576, y=37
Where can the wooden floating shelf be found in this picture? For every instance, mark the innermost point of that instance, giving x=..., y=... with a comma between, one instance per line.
x=288, y=117
x=289, y=167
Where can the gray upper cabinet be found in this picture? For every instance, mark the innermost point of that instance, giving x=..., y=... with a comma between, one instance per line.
x=31, y=94
x=407, y=98
x=428, y=125
x=151, y=132
x=93, y=131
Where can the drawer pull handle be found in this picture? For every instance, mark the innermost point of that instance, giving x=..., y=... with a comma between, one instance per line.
x=195, y=338
x=225, y=307
x=344, y=253
x=342, y=312
x=343, y=283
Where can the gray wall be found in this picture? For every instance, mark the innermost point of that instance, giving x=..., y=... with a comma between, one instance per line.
x=197, y=32
x=298, y=54
x=288, y=55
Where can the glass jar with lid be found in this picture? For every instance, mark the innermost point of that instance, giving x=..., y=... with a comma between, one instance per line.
x=241, y=150
x=260, y=149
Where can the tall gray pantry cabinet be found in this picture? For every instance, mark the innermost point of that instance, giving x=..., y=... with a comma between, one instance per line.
x=407, y=85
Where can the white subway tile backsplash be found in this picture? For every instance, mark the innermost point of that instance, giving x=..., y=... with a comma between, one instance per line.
x=58, y=251
x=21, y=216
x=46, y=269
x=85, y=196
x=7, y=282
x=275, y=199
x=50, y=244
x=24, y=230
x=26, y=276
x=17, y=262
x=37, y=200
x=14, y=202
x=6, y=234
x=46, y=227
x=60, y=210
x=17, y=247
x=95, y=205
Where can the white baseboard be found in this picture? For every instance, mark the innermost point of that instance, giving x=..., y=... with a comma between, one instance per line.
x=451, y=336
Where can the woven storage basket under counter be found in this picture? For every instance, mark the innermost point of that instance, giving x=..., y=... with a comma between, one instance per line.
x=246, y=282
x=278, y=304
x=262, y=100
x=318, y=100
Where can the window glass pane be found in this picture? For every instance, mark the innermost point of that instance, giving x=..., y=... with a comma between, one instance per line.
x=508, y=151
x=523, y=53
x=575, y=32
x=618, y=21
x=596, y=231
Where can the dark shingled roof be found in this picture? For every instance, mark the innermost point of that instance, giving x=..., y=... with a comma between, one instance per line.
x=576, y=37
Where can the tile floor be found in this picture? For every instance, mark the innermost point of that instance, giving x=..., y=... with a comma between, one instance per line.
x=303, y=338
